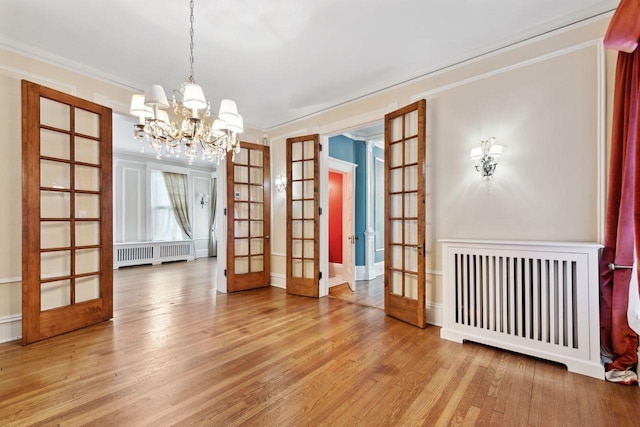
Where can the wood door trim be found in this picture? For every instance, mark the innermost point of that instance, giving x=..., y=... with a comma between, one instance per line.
x=30, y=213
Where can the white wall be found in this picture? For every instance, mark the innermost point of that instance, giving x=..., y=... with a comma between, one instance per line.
x=131, y=198
x=200, y=184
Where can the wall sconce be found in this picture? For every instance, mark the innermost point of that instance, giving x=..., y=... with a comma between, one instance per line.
x=204, y=200
x=281, y=182
x=486, y=157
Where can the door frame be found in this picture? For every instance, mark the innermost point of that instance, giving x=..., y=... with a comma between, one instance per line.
x=344, y=168
x=325, y=133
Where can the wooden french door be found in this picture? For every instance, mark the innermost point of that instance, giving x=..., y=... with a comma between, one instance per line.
x=404, y=281
x=248, y=219
x=67, y=243
x=303, y=214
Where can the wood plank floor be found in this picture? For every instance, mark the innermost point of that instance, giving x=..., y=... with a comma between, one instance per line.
x=178, y=353
x=368, y=292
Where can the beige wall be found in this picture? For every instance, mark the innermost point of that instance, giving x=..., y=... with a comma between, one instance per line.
x=544, y=100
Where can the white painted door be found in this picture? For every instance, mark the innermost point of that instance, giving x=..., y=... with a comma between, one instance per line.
x=349, y=237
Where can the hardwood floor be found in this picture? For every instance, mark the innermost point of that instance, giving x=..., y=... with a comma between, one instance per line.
x=178, y=353
x=368, y=292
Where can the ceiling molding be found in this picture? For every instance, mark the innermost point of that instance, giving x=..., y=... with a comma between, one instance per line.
x=354, y=137
x=58, y=61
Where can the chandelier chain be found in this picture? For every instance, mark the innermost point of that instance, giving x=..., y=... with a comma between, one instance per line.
x=191, y=79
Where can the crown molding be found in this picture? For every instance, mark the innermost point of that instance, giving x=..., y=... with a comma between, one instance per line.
x=58, y=61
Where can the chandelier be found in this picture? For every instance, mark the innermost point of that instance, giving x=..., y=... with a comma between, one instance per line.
x=190, y=127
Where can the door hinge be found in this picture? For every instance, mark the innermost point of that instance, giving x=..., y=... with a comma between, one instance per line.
x=225, y=212
x=320, y=147
x=320, y=275
x=319, y=210
x=225, y=272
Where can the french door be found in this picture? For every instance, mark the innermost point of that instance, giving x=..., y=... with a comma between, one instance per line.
x=404, y=281
x=303, y=211
x=248, y=219
x=67, y=243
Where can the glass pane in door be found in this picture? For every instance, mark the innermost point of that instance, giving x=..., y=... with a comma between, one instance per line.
x=87, y=288
x=87, y=150
x=87, y=123
x=55, y=114
x=55, y=144
x=55, y=294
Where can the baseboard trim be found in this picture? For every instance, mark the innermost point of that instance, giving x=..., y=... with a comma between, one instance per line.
x=10, y=327
x=279, y=280
x=363, y=273
x=202, y=253
x=378, y=269
x=434, y=313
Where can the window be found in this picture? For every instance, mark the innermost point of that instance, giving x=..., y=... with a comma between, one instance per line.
x=164, y=225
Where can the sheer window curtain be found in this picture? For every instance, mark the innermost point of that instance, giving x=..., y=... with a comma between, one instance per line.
x=622, y=230
x=177, y=188
x=213, y=246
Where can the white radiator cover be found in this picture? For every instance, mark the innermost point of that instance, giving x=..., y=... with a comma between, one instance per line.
x=138, y=253
x=535, y=298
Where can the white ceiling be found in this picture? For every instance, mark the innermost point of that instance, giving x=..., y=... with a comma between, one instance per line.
x=279, y=59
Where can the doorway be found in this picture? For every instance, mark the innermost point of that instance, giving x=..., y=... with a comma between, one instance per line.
x=355, y=249
x=342, y=235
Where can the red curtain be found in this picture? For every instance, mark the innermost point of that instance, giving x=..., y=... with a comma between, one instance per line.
x=623, y=209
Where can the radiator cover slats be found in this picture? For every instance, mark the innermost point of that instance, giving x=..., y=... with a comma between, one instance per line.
x=138, y=253
x=535, y=298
